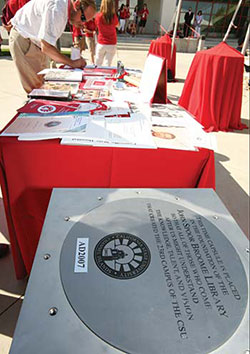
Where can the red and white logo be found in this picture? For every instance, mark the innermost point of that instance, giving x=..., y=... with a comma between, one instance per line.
x=46, y=109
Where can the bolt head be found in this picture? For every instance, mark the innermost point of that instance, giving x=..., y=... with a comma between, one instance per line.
x=53, y=311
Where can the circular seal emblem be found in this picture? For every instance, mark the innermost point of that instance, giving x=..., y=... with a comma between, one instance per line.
x=47, y=108
x=122, y=255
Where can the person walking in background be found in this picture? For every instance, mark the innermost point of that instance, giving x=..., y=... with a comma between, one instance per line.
x=144, y=16
x=127, y=18
x=135, y=15
x=187, y=24
x=122, y=18
x=90, y=30
x=106, y=22
x=198, y=21
x=78, y=39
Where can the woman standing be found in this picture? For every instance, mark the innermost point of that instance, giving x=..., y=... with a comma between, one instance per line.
x=106, y=22
x=122, y=18
x=144, y=16
x=198, y=21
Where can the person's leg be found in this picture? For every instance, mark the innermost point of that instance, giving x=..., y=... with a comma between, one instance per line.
x=143, y=26
x=185, y=30
x=122, y=25
x=28, y=59
x=92, y=50
x=82, y=44
x=100, y=53
x=110, y=53
x=91, y=46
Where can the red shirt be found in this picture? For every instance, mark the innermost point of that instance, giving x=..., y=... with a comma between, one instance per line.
x=15, y=5
x=76, y=32
x=144, y=14
x=91, y=26
x=127, y=14
x=106, y=33
x=123, y=14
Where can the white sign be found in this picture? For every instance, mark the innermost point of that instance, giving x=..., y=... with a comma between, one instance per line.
x=150, y=77
x=81, y=256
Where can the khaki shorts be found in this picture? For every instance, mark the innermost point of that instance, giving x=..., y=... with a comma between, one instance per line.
x=91, y=44
x=28, y=59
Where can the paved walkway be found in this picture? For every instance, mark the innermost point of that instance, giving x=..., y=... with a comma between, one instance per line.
x=232, y=168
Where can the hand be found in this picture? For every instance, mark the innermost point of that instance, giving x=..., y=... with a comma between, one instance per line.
x=78, y=63
x=8, y=26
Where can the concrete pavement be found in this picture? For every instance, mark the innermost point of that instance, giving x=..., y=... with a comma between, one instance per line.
x=232, y=167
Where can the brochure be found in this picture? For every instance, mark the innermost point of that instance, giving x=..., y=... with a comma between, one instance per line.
x=61, y=86
x=61, y=75
x=46, y=126
x=98, y=84
x=51, y=94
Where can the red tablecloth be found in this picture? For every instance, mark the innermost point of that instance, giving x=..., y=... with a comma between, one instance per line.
x=213, y=88
x=162, y=47
x=29, y=171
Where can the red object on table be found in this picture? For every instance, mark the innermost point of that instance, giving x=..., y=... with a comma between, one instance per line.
x=162, y=47
x=30, y=169
x=213, y=88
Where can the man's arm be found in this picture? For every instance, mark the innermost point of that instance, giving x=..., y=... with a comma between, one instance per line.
x=54, y=54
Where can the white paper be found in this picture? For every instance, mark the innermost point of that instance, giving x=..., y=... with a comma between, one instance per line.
x=56, y=126
x=75, y=53
x=172, y=115
x=134, y=132
x=116, y=109
x=150, y=77
x=178, y=138
x=204, y=140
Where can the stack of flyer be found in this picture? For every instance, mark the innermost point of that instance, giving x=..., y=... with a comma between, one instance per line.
x=124, y=119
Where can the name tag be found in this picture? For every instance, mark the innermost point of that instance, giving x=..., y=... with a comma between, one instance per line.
x=81, y=256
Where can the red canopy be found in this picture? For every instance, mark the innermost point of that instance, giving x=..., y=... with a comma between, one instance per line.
x=213, y=88
x=162, y=47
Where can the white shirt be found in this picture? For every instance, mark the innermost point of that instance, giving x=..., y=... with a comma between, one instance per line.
x=42, y=20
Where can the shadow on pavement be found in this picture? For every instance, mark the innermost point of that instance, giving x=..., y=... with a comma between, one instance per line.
x=8, y=318
x=232, y=195
x=243, y=131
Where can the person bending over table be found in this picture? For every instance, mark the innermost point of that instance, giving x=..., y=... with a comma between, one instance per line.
x=35, y=30
x=106, y=22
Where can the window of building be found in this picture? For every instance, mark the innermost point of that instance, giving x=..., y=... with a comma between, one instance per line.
x=217, y=15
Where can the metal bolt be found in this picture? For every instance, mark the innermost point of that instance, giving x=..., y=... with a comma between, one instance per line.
x=177, y=198
x=247, y=249
x=138, y=192
x=215, y=217
x=53, y=311
x=67, y=218
x=46, y=256
x=100, y=198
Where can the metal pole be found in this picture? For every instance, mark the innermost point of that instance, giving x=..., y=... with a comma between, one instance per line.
x=232, y=21
x=176, y=26
x=199, y=44
x=245, y=44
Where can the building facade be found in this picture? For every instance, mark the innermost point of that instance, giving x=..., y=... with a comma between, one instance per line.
x=217, y=15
